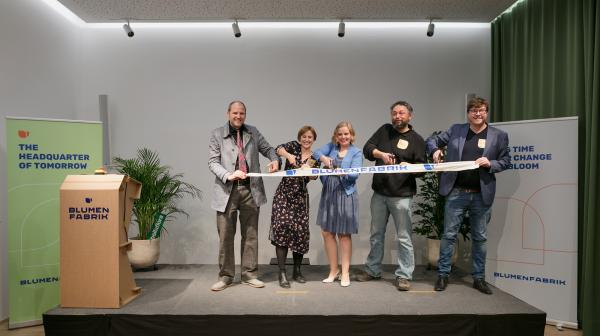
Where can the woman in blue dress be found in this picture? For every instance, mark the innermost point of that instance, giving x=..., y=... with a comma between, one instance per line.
x=338, y=208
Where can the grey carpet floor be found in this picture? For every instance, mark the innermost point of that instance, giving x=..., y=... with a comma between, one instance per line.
x=185, y=290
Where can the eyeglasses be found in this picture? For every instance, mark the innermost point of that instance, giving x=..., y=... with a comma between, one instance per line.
x=480, y=111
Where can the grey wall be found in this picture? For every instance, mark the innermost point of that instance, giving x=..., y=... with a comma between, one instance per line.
x=168, y=88
x=39, y=77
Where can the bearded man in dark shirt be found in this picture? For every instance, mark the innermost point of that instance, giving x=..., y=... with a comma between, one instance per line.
x=395, y=143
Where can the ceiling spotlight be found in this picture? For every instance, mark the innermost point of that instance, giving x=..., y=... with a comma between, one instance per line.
x=236, y=29
x=430, y=28
x=341, y=29
x=127, y=29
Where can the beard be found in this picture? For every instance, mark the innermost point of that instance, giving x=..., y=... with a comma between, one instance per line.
x=399, y=125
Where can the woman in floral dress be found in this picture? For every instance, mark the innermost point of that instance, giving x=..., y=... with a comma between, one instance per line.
x=289, y=218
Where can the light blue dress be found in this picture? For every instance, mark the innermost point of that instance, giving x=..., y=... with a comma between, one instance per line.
x=338, y=212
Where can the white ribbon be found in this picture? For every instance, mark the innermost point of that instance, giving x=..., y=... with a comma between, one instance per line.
x=390, y=169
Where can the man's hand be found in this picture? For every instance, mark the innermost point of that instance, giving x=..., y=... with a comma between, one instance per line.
x=483, y=162
x=438, y=156
x=387, y=158
x=273, y=166
x=237, y=175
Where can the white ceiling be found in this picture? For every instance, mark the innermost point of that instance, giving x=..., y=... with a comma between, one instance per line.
x=288, y=10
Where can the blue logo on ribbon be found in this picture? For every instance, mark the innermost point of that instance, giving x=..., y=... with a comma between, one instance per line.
x=290, y=172
x=428, y=166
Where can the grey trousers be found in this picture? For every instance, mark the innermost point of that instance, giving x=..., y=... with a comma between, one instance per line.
x=240, y=201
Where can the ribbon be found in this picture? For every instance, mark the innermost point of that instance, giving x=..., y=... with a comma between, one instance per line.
x=389, y=169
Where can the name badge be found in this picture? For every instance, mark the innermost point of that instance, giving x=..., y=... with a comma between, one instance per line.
x=402, y=144
x=481, y=143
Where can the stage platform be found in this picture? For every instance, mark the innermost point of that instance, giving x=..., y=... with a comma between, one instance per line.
x=177, y=300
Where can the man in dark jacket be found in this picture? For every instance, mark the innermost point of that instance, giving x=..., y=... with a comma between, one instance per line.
x=469, y=191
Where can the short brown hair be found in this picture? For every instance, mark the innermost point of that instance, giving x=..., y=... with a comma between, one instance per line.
x=236, y=102
x=305, y=129
x=340, y=125
x=477, y=102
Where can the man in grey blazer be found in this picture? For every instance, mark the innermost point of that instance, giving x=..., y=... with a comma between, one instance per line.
x=232, y=152
x=470, y=191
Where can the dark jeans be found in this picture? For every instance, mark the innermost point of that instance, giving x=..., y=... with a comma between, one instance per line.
x=240, y=201
x=457, y=204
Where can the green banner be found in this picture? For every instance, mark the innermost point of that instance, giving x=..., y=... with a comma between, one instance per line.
x=157, y=226
x=40, y=153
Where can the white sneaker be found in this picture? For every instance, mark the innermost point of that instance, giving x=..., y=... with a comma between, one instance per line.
x=254, y=283
x=219, y=286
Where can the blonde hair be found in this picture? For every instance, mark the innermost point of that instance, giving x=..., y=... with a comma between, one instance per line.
x=340, y=125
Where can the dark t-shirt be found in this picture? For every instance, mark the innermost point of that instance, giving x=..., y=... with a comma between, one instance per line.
x=473, y=150
x=407, y=147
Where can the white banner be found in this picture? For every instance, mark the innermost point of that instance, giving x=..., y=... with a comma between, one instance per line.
x=389, y=169
x=532, y=237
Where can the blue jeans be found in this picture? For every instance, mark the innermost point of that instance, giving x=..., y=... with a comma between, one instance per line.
x=458, y=203
x=399, y=208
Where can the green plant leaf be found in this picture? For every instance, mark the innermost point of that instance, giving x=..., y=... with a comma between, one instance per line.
x=160, y=189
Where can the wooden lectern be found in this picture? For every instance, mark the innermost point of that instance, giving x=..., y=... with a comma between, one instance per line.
x=95, y=211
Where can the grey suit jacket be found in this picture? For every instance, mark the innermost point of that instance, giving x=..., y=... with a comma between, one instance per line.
x=496, y=150
x=222, y=156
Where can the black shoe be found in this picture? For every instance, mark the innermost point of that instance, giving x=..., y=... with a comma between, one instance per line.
x=283, y=281
x=297, y=275
x=481, y=286
x=364, y=277
x=441, y=283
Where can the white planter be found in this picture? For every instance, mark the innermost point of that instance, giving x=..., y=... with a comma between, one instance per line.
x=144, y=253
x=433, y=252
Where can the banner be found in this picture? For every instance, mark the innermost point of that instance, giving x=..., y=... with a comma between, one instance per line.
x=40, y=153
x=389, y=169
x=532, y=237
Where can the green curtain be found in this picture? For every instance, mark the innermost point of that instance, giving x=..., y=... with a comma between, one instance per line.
x=546, y=64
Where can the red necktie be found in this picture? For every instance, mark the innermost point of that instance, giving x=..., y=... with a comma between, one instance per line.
x=241, y=157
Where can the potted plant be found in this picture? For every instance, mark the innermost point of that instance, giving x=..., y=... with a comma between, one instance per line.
x=157, y=204
x=428, y=210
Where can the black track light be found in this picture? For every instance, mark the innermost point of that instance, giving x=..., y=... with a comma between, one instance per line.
x=341, y=29
x=236, y=29
x=430, y=28
x=128, y=30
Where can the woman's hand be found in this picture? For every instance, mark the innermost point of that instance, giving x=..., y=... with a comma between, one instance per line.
x=291, y=159
x=327, y=161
